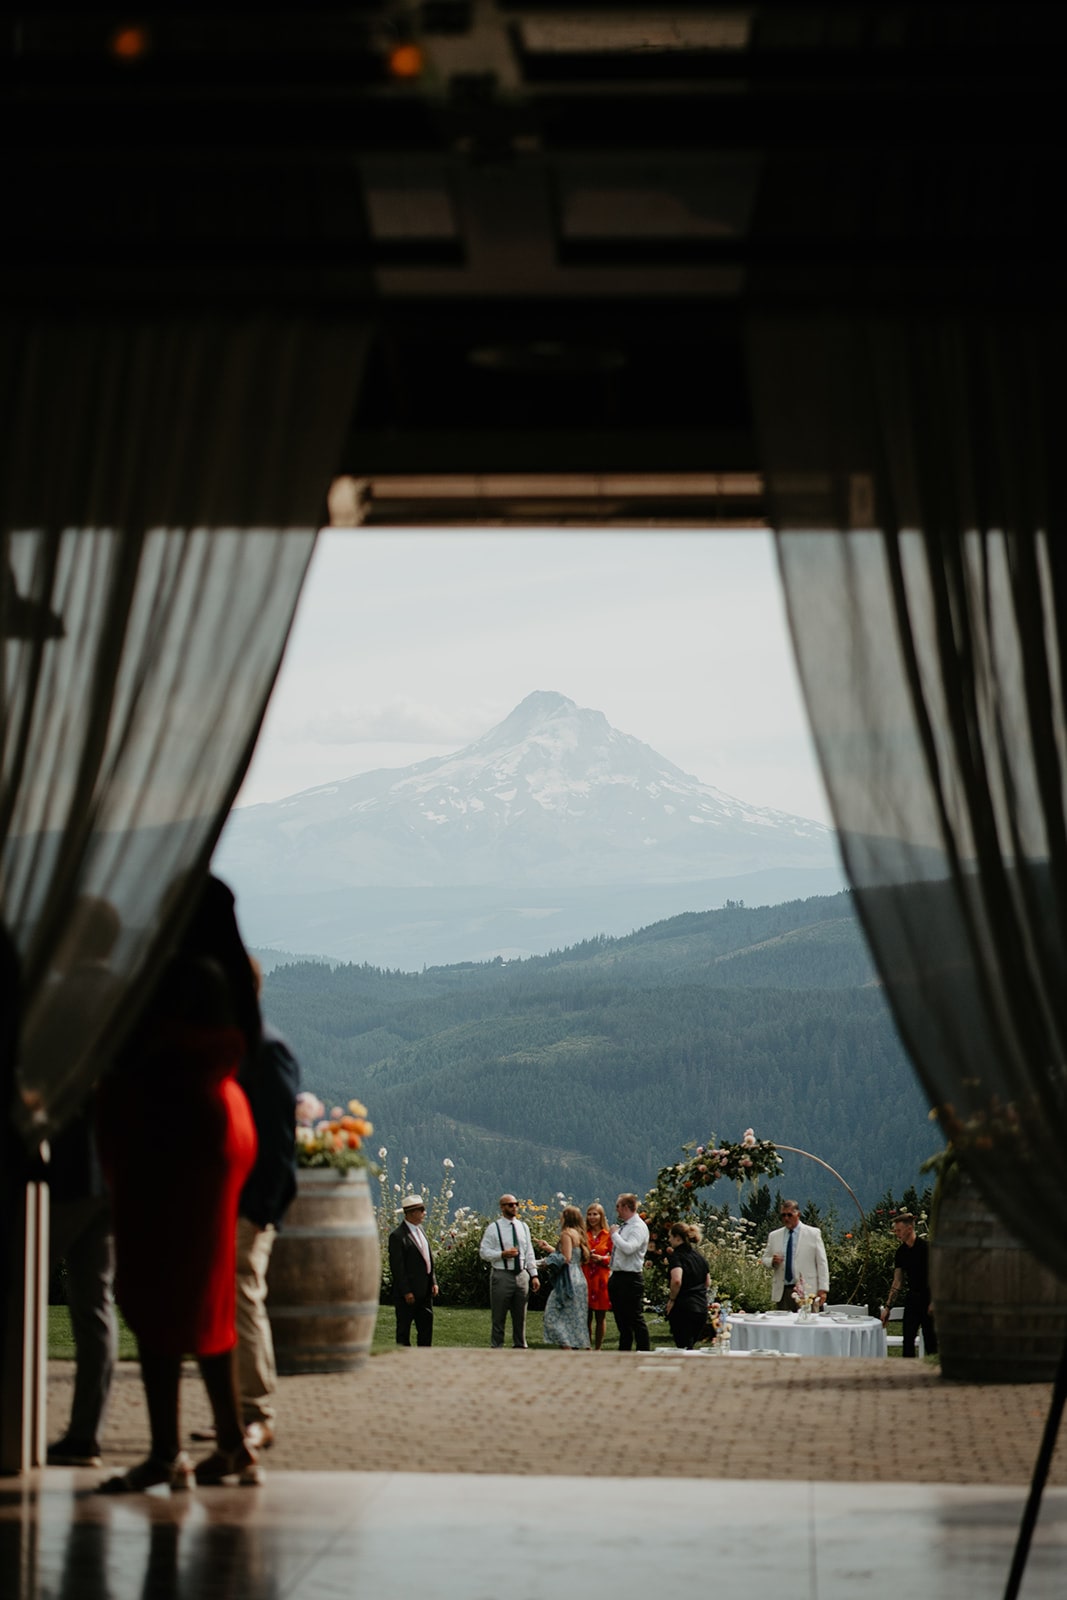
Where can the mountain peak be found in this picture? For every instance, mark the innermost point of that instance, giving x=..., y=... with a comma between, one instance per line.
x=543, y=705
x=553, y=795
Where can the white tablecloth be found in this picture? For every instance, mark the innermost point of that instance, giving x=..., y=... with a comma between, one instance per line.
x=860, y=1336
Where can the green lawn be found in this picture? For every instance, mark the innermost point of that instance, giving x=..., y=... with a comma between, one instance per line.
x=61, y=1343
x=455, y=1327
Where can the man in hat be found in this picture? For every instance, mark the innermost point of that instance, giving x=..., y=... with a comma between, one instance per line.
x=411, y=1268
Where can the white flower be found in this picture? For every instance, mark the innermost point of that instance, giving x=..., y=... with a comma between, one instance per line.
x=447, y=1163
x=382, y=1153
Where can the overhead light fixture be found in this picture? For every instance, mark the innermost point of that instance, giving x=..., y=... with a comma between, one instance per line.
x=129, y=42
x=547, y=357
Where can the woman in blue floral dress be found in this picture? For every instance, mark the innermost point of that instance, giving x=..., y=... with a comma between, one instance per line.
x=567, y=1308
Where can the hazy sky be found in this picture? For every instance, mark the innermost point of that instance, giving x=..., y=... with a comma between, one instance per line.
x=411, y=644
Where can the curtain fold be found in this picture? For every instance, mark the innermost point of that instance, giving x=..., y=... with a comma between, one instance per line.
x=911, y=466
x=161, y=484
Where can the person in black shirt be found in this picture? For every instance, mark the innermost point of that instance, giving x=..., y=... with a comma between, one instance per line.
x=912, y=1261
x=687, y=1294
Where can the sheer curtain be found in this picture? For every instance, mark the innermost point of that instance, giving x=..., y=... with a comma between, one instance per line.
x=162, y=483
x=912, y=469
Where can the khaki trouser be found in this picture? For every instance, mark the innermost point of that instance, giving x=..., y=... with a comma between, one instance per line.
x=256, y=1374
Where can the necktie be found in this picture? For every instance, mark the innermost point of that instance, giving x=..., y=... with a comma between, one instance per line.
x=515, y=1241
x=789, y=1258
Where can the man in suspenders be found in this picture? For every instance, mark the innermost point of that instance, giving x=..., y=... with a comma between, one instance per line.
x=508, y=1248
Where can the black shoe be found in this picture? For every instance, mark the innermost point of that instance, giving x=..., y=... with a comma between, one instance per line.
x=72, y=1453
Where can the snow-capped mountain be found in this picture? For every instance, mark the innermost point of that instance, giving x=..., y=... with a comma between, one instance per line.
x=552, y=796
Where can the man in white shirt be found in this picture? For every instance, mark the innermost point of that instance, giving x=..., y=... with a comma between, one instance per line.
x=796, y=1252
x=508, y=1248
x=626, y=1284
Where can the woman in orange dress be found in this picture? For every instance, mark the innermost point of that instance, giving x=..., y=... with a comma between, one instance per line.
x=596, y=1270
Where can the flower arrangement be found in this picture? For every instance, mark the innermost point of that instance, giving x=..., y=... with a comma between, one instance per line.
x=331, y=1141
x=674, y=1196
x=803, y=1299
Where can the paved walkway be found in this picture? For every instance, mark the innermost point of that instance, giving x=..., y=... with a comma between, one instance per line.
x=610, y=1415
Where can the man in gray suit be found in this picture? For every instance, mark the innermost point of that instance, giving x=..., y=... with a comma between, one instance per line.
x=508, y=1248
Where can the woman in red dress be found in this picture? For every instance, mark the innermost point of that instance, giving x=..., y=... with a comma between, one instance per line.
x=177, y=1141
x=596, y=1270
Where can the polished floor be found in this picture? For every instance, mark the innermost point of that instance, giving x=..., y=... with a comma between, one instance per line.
x=339, y=1535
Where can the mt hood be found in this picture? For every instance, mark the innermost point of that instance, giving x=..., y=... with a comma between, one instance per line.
x=552, y=796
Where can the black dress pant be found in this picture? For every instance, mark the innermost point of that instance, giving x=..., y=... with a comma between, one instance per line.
x=421, y=1314
x=626, y=1291
x=688, y=1324
x=916, y=1316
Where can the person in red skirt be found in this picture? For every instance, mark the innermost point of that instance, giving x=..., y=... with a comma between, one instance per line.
x=177, y=1142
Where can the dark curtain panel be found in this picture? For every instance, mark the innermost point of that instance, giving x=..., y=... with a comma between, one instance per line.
x=161, y=485
x=912, y=464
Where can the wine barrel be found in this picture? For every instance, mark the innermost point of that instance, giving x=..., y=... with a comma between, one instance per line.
x=1001, y=1315
x=325, y=1273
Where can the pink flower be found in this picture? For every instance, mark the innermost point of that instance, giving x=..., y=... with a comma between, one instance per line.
x=749, y=1140
x=309, y=1108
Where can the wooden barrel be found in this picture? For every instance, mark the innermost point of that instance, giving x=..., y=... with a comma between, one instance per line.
x=325, y=1274
x=1001, y=1316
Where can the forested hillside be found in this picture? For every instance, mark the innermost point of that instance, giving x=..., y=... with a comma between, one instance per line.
x=586, y=1070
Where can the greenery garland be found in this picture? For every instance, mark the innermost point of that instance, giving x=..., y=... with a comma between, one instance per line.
x=674, y=1195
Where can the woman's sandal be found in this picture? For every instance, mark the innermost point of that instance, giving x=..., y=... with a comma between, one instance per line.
x=222, y=1464
x=177, y=1475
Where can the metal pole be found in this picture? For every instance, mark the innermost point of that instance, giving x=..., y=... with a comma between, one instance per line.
x=1037, y=1483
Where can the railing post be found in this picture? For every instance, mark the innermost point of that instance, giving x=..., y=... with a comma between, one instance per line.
x=24, y=1347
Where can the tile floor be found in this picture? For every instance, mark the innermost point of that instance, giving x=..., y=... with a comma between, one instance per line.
x=339, y=1535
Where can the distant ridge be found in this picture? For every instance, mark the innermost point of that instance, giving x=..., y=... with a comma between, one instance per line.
x=586, y=1070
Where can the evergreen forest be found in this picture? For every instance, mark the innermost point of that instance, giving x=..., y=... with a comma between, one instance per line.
x=583, y=1071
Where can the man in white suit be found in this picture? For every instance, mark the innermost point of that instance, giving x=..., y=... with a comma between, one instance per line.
x=795, y=1251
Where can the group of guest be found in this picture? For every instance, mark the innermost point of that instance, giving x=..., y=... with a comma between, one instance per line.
x=594, y=1268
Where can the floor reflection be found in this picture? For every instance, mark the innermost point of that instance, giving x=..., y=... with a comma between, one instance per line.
x=78, y=1545
x=445, y=1536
